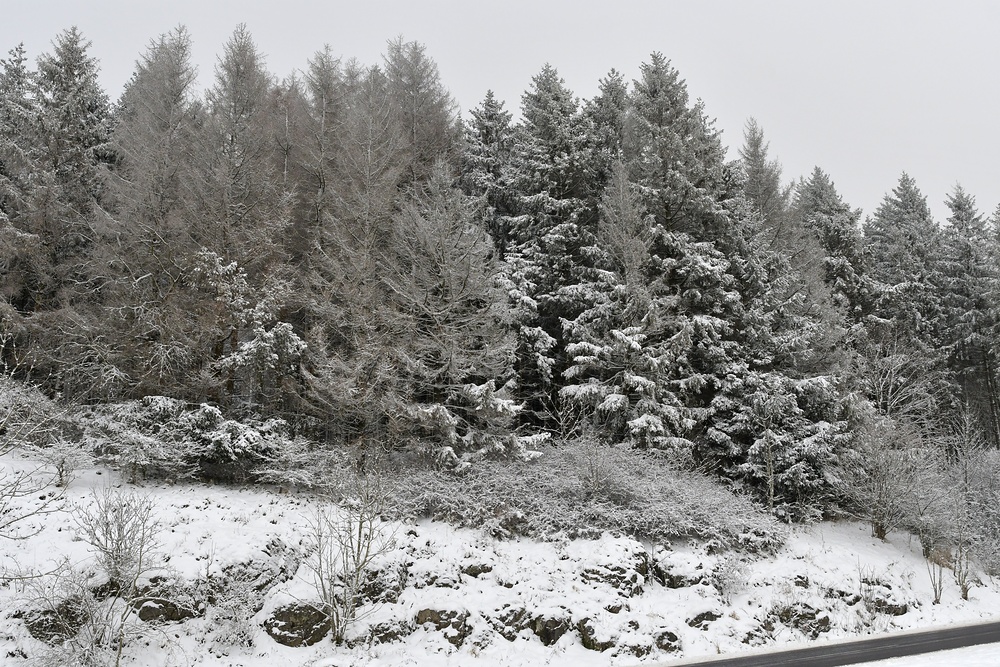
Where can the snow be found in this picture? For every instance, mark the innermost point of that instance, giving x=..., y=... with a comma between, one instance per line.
x=828, y=567
x=987, y=655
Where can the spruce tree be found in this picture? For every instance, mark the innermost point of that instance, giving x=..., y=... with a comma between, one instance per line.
x=552, y=271
x=487, y=170
x=903, y=250
x=902, y=245
x=819, y=206
x=970, y=328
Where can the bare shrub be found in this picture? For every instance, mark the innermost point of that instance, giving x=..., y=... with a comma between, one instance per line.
x=27, y=420
x=731, y=576
x=937, y=561
x=233, y=608
x=65, y=457
x=89, y=618
x=886, y=476
x=122, y=530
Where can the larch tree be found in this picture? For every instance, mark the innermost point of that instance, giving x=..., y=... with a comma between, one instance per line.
x=157, y=119
x=424, y=111
x=241, y=214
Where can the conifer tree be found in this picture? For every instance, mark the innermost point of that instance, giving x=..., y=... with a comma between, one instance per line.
x=487, y=170
x=901, y=242
x=675, y=155
x=906, y=329
x=21, y=254
x=454, y=347
x=552, y=269
x=239, y=216
x=607, y=111
x=423, y=109
x=75, y=123
x=970, y=329
x=820, y=207
x=154, y=138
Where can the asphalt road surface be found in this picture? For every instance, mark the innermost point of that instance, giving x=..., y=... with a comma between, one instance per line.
x=866, y=650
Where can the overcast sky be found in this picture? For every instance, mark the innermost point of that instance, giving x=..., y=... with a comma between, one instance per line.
x=865, y=90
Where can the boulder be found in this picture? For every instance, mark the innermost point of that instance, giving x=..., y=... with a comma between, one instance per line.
x=702, y=620
x=592, y=638
x=297, y=625
x=804, y=618
x=58, y=623
x=666, y=641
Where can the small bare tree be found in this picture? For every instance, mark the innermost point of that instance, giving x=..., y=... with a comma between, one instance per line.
x=886, y=475
x=937, y=561
x=346, y=541
x=121, y=529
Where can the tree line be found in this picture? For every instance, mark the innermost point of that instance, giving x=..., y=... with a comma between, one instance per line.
x=340, y=249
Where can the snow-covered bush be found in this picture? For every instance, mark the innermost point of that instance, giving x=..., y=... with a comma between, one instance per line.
x=121, y=530
x=550, y=497
x=64, y=456
x=27, y=420
x=160, y=436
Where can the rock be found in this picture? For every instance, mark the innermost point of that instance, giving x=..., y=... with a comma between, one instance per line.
x=615, y=607
x=278, y=564
x=702, y=620
x=550, y=629
x=297, y=625
x=454, y=624
x=667, y=641
x=883, y=605
x=850, y=599
x=476, y=569
x=804, y=618
x=510, y=621
x=675, y=571
x=62, y=622
x=627, y=577
x=385, y=583
x=627, y=582
x=162, y=610
x=638, y=649
x=591, y=638
x=389, y=631
x=801, y=580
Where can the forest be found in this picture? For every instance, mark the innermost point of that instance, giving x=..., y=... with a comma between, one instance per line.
x=256, y=279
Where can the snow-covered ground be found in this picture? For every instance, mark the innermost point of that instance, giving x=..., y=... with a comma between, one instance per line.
x=987, y=655
x=463, y=598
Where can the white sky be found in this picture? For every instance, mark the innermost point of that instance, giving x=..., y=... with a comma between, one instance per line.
x=864, y=89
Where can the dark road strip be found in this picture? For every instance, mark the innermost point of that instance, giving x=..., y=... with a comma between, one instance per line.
x=865, y=650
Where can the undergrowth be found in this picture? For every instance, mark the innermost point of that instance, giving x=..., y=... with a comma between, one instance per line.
x=636, y=494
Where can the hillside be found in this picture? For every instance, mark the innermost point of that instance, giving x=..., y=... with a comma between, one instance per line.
x=231, y=571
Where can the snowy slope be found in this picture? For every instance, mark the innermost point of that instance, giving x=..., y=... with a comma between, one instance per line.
x=501, y=602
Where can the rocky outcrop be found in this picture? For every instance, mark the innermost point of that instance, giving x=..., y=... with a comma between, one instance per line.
x=453, y=623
